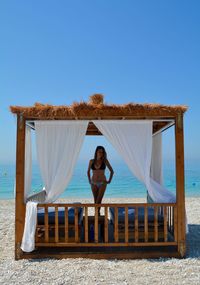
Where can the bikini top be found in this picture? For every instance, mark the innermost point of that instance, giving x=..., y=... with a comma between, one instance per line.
x=102, y=167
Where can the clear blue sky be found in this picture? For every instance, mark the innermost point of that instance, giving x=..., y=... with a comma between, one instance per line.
x=59, y=52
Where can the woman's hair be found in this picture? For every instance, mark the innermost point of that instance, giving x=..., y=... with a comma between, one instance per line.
x=99, y=147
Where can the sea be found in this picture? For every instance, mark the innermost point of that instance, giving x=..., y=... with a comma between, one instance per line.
x=124, y=184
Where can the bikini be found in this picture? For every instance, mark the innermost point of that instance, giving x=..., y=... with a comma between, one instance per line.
x=102, y=167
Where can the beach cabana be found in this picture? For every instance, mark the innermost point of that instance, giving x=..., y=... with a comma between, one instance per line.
x=45, y=228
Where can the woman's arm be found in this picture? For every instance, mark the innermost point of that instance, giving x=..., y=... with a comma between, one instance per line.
x=111, y=171
x=88, y=172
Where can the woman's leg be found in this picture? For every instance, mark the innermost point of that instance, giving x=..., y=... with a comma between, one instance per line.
x=94, y=192
x=100, y=195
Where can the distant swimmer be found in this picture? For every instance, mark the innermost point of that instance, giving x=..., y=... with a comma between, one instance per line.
x=193, y=184
x=5, y=174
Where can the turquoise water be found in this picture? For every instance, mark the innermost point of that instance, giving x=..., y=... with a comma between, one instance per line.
x=124, y=184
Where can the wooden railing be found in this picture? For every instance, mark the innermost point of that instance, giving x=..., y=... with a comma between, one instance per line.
x=95, y=230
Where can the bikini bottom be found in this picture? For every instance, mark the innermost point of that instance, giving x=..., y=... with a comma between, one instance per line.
x=98, y=184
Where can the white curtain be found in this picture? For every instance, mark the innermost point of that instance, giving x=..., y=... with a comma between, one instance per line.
x=156, y=159
x=28, y=163
x=133, y=140
x=58, y=145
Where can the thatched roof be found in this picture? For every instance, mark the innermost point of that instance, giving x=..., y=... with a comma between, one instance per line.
x=96, y=108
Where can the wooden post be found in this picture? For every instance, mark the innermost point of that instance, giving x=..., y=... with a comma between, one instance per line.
x=19, y=199
x=106, y=224
x=86, y=224
x=136, y=224
x=126, y=224
x=56, y=225
x=66, y=225
x=156, y=224
x=46, y=223
x=165, y=224
x=180, y=191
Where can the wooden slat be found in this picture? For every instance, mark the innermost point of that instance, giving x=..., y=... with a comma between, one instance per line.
x=36, y=232
x=146, y=224
x=175, y=225
x=155, y=223
x=136, y=224
x=66, y=225
x=76, y=224
x=116, y=237
x=56, y=225
x=106, y=225
x=46, y=224
x=126, y=224
x=169, y=218
x=116, y=244
x=165, y=223
x=86, y=224
x=96, y=232
x=109, y=204
x=172, y=220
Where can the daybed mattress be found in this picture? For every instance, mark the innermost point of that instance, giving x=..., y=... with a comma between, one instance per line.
x=131, y=215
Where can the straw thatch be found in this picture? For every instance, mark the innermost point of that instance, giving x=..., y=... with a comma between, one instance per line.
x=96, y=108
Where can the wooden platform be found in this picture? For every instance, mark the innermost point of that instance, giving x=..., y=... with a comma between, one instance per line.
x=98, y=237
x=103, y=252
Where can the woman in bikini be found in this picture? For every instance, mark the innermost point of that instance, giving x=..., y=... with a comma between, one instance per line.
x=98, y=181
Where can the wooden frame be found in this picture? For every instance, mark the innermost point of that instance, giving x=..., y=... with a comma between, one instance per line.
x=177, y=213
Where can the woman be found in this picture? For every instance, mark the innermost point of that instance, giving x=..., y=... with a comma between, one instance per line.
x=98, y=181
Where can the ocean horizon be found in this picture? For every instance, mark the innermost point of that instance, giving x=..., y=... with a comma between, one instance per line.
x=124, y=184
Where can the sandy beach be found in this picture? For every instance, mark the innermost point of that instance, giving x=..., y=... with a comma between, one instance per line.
x=87, y=271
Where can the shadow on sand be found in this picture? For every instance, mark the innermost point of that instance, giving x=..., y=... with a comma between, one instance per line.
x=193, y=242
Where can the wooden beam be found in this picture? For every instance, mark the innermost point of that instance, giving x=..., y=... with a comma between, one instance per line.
x=136, y=205
x=129, y=254
x=102, y=244
x=93, y=130
x=180, y=190
x=142, y=116
x=19, y=200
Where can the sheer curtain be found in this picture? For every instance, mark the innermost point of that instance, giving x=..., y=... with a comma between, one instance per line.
x=58, y=145
x=133, y=140
x=156, y=159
